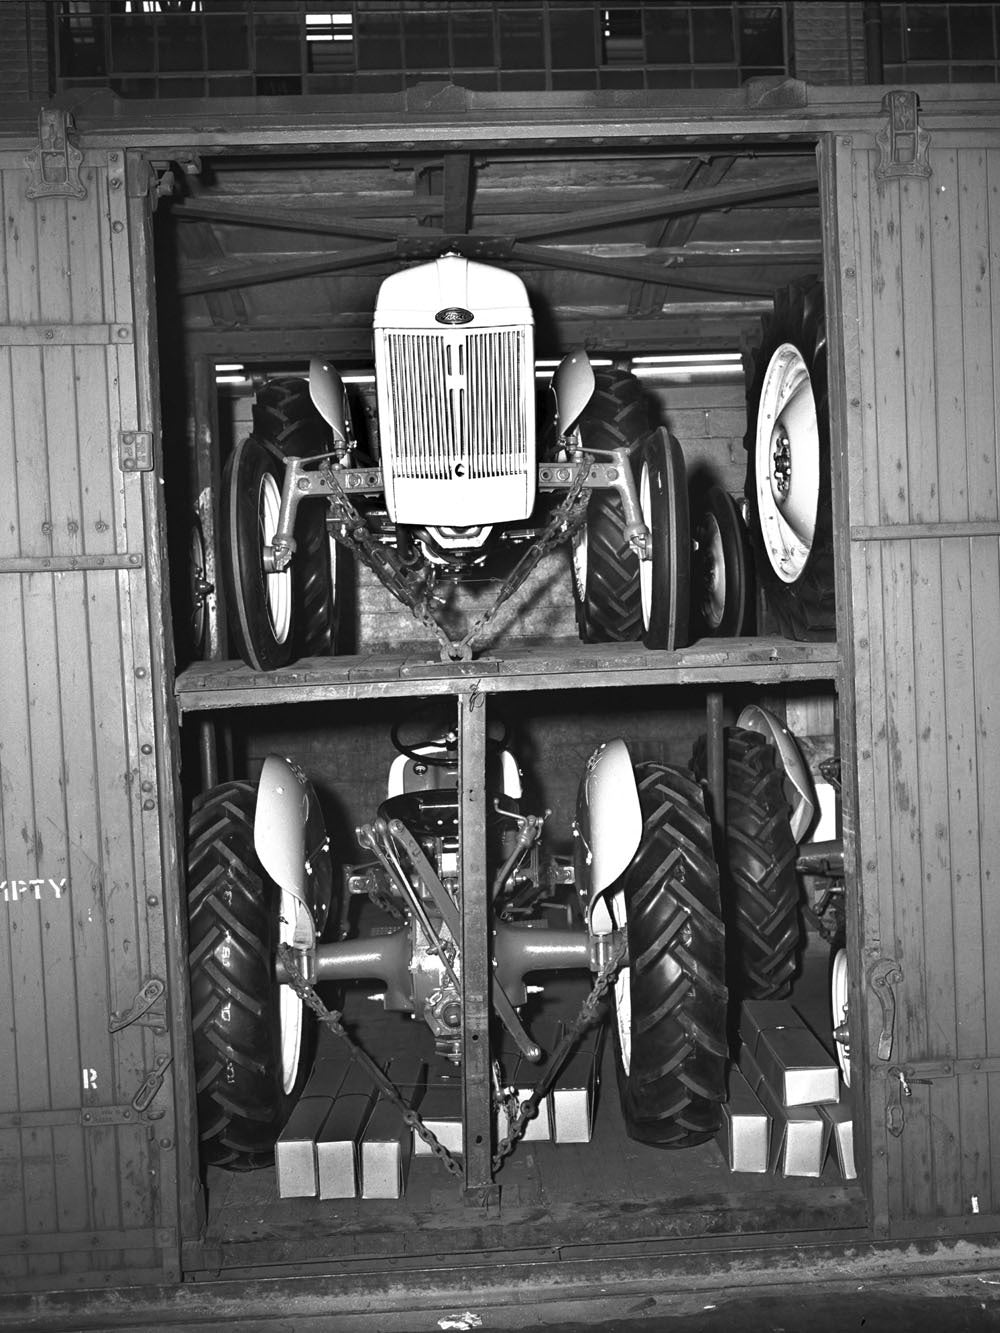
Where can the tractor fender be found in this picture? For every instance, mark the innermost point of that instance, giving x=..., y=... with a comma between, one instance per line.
x=329, y=395
x=572, y=387
x=289, y=836
x=608, y=827
x=800, y=790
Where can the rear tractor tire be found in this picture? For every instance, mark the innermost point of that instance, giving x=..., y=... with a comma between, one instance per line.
x=760, y=885
x=252, y=1037
x=670, y=1002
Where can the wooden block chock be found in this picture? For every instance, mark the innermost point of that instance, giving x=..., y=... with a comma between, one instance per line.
x=745, y=1133
x=792, y=1059
x=387, y=1145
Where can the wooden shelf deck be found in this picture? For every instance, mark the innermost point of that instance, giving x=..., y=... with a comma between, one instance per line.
x=549, y=665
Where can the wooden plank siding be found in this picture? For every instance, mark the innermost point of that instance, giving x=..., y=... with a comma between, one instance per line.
x=918, y=302
x=88, y=1181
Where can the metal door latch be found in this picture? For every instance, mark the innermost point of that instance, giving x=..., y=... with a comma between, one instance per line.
x=143, y=1002
x=882, y=976
x=902, y=143
x=151, y=1085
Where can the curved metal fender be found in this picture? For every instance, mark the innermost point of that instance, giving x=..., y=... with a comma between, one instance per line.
x=289, y=836
x=799, y=787
x=608, y=826
x=572, y=387
x=329, y=395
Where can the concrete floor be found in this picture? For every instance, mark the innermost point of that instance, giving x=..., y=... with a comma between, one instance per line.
x=903, y=1292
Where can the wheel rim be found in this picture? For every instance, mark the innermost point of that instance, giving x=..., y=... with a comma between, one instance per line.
x=838, y=1007
x=787, y=463
x=623, y=989
x=277, y=585
x=712, y=563
x=199, y=589
x=646, y=565
x=289, y=1004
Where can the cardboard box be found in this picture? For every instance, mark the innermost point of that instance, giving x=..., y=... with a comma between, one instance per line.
x=745, y=1133
x=800, y=1137
x=792, y=1059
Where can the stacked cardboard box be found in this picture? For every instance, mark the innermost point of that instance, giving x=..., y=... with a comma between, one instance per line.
x=785, y=1102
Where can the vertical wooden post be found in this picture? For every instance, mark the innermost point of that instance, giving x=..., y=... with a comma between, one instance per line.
x=477, y=1115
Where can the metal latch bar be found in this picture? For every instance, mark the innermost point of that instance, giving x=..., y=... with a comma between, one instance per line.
x=143, y=1002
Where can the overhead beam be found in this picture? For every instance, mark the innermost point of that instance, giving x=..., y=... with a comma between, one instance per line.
x=670, y=205
x=549, y=256
x=457, y=214
x=659, y=205
x=683, y=325
x=221, y=277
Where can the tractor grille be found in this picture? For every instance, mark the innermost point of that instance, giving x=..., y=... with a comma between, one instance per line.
x=455, y=400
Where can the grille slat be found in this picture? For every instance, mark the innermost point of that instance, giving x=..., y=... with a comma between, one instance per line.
x=455, y=398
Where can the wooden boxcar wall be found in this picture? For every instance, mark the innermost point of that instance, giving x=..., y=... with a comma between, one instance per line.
x=920, y=338
x=88, y=1139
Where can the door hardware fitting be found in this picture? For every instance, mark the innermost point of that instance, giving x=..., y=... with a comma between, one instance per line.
x=902, y=143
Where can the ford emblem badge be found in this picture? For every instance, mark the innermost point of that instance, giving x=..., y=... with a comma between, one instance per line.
x=454, y=315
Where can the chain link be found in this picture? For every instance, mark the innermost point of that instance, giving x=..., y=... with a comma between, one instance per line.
x=417, y=592
x=331, y=1019
x=590, y=1013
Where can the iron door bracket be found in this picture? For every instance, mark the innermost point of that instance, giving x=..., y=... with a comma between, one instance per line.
x=54, y=166
x=902, y=143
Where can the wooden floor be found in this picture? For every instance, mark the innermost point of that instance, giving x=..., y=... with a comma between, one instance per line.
x=609, y=1196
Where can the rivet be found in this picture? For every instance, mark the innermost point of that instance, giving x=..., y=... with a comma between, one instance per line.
x=140, y=672
x=149, y=805
x=146, y=748
x=152, y=901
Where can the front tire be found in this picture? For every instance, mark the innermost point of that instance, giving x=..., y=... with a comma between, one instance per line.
x=788, y=483
x=252, y=1037
x=260, y=603
x=605, y=567
x=665, y=579
x=760, y=885
x=276, y=618
x=670, y=1003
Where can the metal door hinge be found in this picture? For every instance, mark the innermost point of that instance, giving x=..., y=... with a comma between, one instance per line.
x=135, y=450
x=882, y=976
x=54, y=166
x=151, y=992
x=902, y=143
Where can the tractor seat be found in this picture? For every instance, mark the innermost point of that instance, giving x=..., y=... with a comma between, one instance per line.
x=427, y=814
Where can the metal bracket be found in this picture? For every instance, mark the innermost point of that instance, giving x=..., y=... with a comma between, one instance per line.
x=54, y=166
x=143, y=1002
x=135, y=450
x=882, y=976
x=150, y=1086
x=902, y=143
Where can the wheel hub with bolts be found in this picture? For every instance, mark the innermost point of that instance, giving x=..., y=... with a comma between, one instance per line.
x=787, y=494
